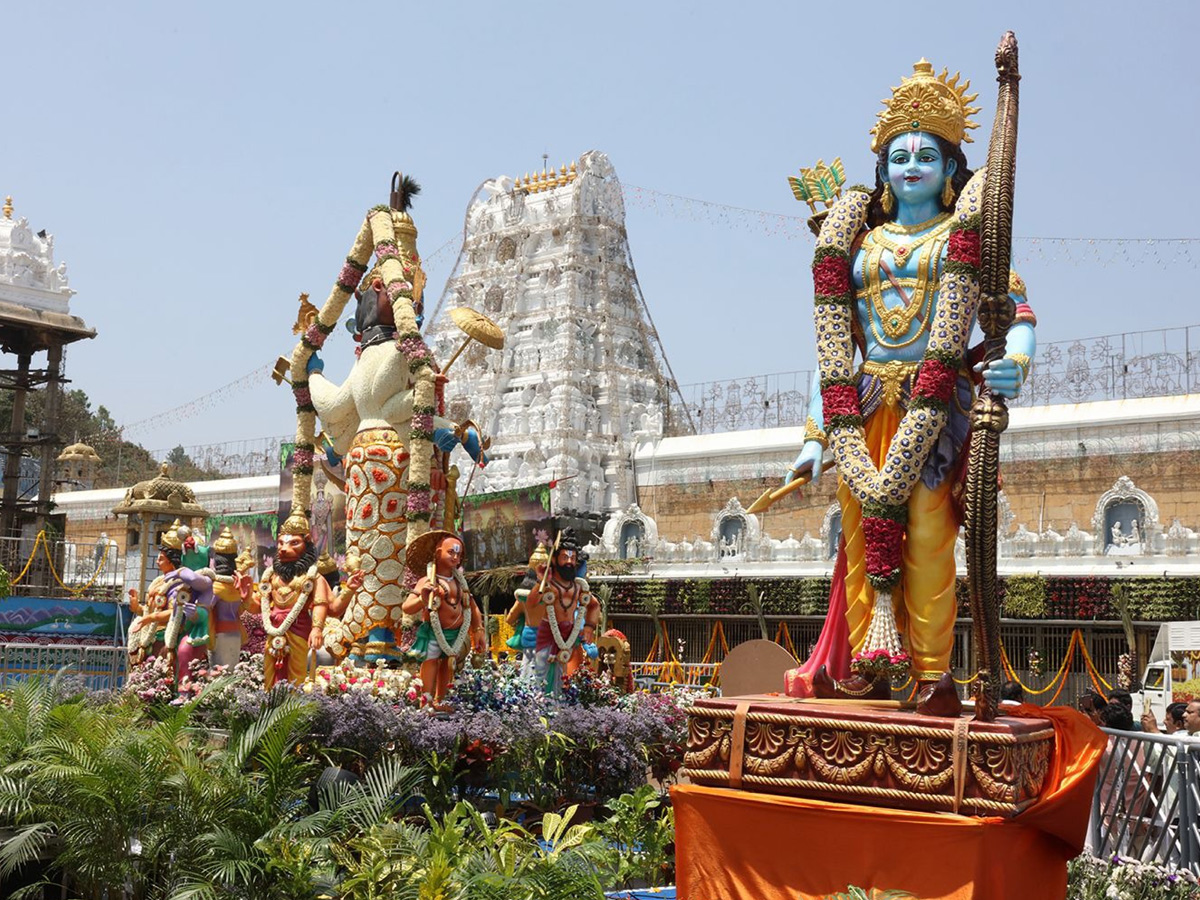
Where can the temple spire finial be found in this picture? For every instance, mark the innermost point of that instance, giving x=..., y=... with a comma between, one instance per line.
x=8, y=207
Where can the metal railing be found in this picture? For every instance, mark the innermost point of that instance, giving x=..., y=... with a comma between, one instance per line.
x=101, y=668
x=690, y=635
x=1134, y=365
x=64, y=569
x=1147, y=800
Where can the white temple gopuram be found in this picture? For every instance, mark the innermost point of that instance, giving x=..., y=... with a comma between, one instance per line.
x=582, y=380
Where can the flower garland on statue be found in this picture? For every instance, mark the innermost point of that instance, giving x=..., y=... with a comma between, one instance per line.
x=884, y=491
x=143, y=637
x=881, y=663
x=400, y=269
x=567, y=645
x=277, y=642
x=181, y=595
x=451, y=651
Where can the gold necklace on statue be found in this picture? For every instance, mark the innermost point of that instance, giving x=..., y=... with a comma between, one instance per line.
x=897, y=321
x=937, y=226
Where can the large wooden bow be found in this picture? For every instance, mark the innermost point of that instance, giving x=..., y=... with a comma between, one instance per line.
x=989, y=414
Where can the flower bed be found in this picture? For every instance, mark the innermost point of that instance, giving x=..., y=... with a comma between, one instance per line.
x=504, y=739
x=1118, y=878
x=342, y=790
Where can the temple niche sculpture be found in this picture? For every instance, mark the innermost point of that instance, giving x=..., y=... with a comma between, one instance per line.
x=583, y=378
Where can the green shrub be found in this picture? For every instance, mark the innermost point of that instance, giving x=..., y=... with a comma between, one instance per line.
x=696, y=596
x=1025, y=597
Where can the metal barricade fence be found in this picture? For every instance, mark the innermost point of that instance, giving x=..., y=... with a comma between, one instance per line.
x=100, y=667
x=1147, y=801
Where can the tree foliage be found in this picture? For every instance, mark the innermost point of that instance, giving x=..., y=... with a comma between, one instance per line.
x=123, y=462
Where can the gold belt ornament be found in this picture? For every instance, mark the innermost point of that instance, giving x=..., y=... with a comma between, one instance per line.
x=892, y=375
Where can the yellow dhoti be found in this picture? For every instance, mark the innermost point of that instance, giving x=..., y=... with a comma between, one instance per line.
x=924, y=600
x=297, y=661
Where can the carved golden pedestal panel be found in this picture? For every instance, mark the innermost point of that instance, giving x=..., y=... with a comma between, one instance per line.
x=859, y=754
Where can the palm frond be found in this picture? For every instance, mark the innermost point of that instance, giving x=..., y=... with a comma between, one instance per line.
x=25, y=846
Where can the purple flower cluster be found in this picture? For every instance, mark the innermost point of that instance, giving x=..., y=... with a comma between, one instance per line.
x=348, y=278
x=315, y=336
x=413, y=348
x=354, y=724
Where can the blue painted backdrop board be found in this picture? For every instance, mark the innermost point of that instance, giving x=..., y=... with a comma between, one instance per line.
x=41, y=617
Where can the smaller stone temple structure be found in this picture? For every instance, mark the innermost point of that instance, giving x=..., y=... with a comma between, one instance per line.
x=77, y=466
x=152, y=506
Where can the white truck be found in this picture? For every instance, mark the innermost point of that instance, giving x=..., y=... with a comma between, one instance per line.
x=1174, y=660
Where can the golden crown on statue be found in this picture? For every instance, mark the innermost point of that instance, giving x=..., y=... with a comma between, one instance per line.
x=929, y=103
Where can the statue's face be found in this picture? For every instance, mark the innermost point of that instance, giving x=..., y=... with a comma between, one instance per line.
x=916, y=168
x=567, y=561
x=289, y=547
x=164, y=563
x=449, y=555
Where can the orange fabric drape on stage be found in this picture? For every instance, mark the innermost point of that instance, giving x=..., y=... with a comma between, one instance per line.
x=736, y=844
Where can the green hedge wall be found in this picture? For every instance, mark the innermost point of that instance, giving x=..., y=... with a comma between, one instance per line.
x=1024, y=597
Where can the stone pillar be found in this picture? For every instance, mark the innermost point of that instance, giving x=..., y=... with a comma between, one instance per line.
x=49, y=433
x=10, y=525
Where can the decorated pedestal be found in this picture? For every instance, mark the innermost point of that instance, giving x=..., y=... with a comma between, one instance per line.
x=822, y=797
x=856, y=753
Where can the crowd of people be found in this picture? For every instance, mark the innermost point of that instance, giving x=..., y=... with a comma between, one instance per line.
x=1116, y=712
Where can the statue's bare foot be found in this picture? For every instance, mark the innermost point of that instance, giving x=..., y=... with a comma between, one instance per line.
x=939, y=698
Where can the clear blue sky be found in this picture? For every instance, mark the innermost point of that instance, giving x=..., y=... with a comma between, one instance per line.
x=200, y=164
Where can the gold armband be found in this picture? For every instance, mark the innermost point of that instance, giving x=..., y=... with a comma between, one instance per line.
x=814, y=432
x=1023, y=363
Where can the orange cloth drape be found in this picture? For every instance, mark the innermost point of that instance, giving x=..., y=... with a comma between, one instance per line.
x=736, y=844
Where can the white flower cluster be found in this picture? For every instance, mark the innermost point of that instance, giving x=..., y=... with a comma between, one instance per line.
x=391, y=685
x=1122, y=878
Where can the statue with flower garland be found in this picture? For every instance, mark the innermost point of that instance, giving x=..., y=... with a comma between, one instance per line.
x=451, y=623
x=173, y=619
x=383, y=420
x=1026, y=772
x=896, y=275
x=293, y=600
x=569, y=614
x=189, y=631
x=151, y=613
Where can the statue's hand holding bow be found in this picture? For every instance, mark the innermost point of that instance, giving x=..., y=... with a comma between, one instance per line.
x=1004, y=376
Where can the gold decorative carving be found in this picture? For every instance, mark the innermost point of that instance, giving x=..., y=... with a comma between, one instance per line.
x=925, y=756
x=841, y=747
x=907, y=765
x=927, y=102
